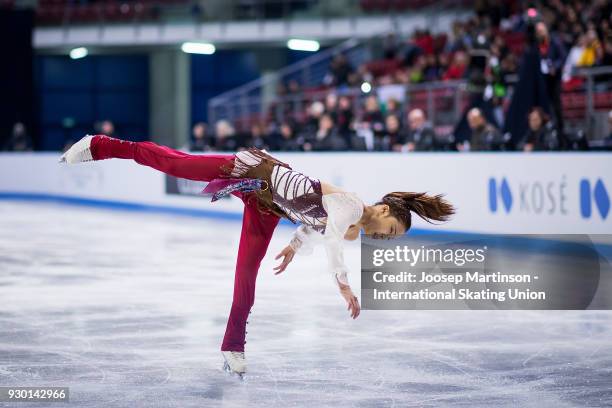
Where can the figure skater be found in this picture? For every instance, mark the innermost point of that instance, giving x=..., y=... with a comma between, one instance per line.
x=271, y=190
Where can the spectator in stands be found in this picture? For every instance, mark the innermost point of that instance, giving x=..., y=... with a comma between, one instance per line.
x=509, y=66
x=225, y=137
x=331, y=105
x=344, y=118
x=284, y=139
x=327, y=137
x=293, y=92
x=573, y=58
x=484, y=136
x=390, y=46
x=459, y=40
x=420, y=137
x=593, y=51
x=432, y=68
x=393, y=107
x=20, y=140
x=293, y=87
x=372, y=117
x=457, y=68
x=416, y=73
x=257, y=138
x=443, y=64
x=393, y=138
x=370, y=127
x=607, y=56
x=541, y=134
x=340, y=72
x=424, y=41
x=552, y=56
x=200, y=142
x=606, y=59
x=311, y=124
x=495, y=70
x=610, y=126
x=106, y=127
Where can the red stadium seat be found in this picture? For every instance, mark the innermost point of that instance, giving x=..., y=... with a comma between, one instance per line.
x=383, y=67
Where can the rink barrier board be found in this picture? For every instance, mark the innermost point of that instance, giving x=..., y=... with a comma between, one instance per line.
x=603, y=247
x=120, y=205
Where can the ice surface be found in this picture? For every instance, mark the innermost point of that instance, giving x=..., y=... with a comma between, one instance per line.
x=129, y=309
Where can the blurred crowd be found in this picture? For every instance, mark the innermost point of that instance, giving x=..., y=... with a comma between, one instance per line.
x=489, y=45
x=329, y=129
x=486, y=50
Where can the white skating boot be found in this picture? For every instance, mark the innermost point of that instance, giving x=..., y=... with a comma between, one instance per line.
x=235, y=362
x=78, y=152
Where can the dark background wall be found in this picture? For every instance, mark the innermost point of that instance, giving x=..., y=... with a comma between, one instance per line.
x=217, y=73
x=17, y=103
x=74, y=94
x=227, y=69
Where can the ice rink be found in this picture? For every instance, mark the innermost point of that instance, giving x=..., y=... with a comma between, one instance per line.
x=128, y=309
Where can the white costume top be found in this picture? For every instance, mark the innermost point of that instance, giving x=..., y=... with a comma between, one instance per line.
x=343, y=210
x=323, y=217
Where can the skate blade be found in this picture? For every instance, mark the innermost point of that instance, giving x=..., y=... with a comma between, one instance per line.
x=229, y=372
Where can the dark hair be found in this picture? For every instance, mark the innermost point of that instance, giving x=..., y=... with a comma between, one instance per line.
x=543, y=115
x=428, y=207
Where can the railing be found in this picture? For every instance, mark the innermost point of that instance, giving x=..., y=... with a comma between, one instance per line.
x=251, y=98
x=443, y=102
x=585, y=108
x=595, y=100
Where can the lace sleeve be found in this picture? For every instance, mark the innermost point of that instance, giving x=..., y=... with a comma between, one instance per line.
x=343, y=209
x=303, y=240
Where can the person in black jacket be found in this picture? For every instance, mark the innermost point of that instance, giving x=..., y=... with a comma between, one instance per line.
x=541, y=134
x=257, y=138
x=420, y=137
x=485, y=136
x=226, y=138
x=393, y=137
x=284, y=138
x=372, y=117
x=344, y=118
x=552, y=59
x=19, y=141
x=200, y=142
x=327, y=137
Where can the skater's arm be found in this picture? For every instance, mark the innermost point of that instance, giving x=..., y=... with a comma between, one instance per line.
x=302, y=242
x=332, y=239
x=342, y=212
x=351, y=300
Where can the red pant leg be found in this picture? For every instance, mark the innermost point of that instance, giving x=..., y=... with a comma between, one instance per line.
x=165, y=159
x=257, y=230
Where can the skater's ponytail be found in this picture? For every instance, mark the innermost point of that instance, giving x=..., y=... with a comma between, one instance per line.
x=428, y=207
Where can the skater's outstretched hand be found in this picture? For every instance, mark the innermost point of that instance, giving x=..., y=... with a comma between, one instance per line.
x=351, y=299
x=287, y=253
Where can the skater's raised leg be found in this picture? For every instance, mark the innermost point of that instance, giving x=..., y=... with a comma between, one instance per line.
x=257, y=230
x=165, y=159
